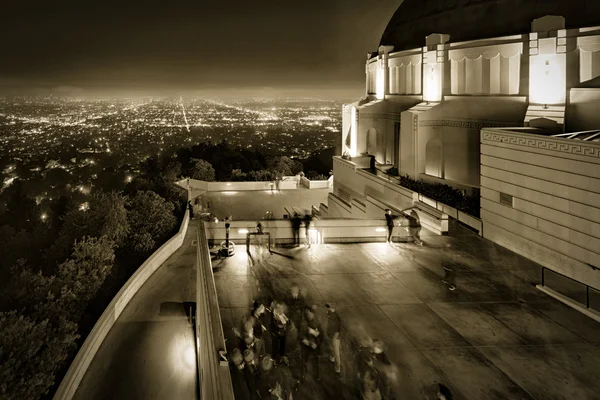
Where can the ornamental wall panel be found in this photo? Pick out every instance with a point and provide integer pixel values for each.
(589, 62)
(405, 74)
(372, 77)
(488, 70)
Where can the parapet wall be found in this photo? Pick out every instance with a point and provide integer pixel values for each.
(86, 353)
(323, 230)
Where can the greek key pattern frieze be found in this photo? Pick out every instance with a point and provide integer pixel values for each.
(544, 144)
(394, 117)
(465, 124)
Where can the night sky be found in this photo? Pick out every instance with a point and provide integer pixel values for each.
(189, 45)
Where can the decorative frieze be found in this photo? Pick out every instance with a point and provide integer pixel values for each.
(467, 124)
(388, 116)
(536, 141)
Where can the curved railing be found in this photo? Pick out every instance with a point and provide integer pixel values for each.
(213, 370)
(94, 340)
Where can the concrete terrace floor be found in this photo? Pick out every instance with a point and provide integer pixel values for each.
(494, 337)
(253, 204)
(150, 351)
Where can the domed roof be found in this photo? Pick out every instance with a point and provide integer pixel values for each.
(477, 19)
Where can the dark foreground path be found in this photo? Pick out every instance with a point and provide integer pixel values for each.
(150, 351)
(494, 337)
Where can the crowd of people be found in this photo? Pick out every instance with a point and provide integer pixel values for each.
(285, 341)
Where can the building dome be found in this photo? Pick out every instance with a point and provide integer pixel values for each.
(476, 19)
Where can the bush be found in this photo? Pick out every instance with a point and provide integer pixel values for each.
(444, 194)
(393, 171)
(315, 176)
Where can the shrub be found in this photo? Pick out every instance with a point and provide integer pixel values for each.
(315, 176)
(393, 171)
(444, 194)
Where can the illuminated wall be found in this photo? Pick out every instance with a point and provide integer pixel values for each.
(353, 131)
(547, 69)
(432, 77)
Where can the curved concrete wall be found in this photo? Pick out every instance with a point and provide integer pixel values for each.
(92, 343)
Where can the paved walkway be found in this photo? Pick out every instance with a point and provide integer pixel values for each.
(150, 351)
(494, 337)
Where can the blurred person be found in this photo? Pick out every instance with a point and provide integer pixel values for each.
(334, 327)
(191, 209)
(296, 223)
(414, 227)
(258, 327)
(370, 380)
(307, 221)
(443, 393)
(251, 374)
(384, 366)
(238, 377)
(280, 325)
(312, 337)
(274, 382)
(296, 303)
(245, 333)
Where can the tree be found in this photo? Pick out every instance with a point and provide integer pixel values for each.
(79, 279)
(285, 166)
(106, 216)
(201, 170)
(31, 353)
(151, 220)
(21, 210)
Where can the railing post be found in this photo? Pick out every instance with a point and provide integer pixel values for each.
(587, 296)
(543, 268)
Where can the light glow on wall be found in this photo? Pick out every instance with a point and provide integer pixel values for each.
(314, 236)
(547, 79)
(380, 229)
(243, 231)
(380, 83)
(353, 132)
(432, 82)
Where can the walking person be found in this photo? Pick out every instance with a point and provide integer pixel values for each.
(389, 218)
(334, 327)
(414, 227)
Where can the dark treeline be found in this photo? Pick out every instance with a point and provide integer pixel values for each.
(237, 164)
(58, 273)
(60, 269)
